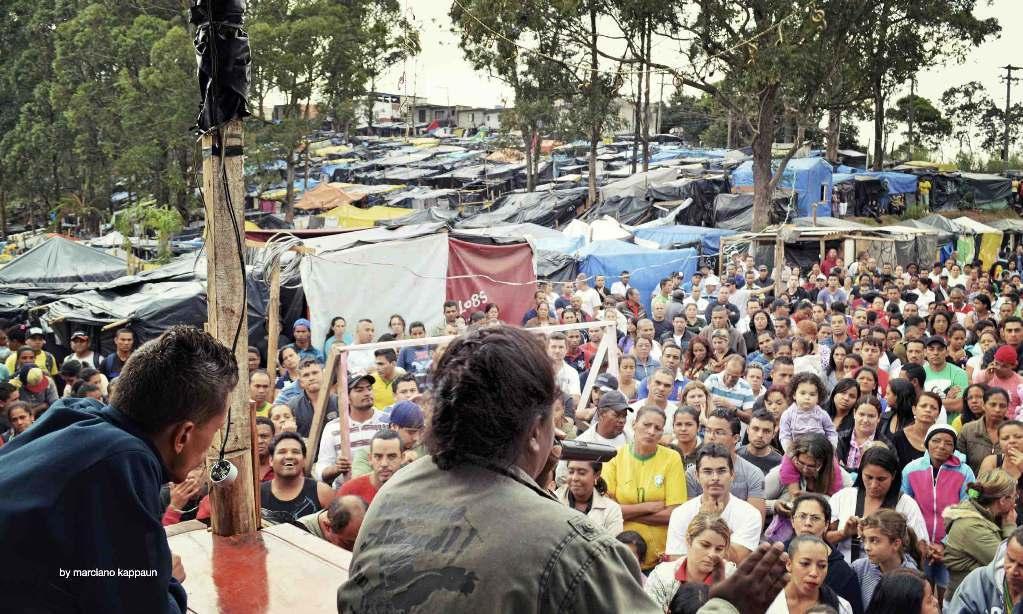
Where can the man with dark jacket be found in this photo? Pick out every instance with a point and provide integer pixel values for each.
(80, 512)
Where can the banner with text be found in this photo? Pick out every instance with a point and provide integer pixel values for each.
(500, 274)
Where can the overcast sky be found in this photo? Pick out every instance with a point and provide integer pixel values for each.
(441, 74)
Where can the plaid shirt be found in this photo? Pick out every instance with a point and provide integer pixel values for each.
(852, 460)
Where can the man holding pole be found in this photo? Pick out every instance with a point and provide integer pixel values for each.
(332, 465)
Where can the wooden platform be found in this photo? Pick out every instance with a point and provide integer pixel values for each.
(279, 570)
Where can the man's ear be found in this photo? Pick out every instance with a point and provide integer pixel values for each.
(180, 435)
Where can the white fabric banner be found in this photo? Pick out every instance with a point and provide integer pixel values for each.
(375, 281)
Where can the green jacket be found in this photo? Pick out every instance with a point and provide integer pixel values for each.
(972, 539)
(473, 539)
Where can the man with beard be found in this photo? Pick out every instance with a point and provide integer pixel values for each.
(363, 422)
(384, 459)
(761, 431)
(290, 493)
(405, 419)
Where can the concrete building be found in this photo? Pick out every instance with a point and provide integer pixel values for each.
(477, 117)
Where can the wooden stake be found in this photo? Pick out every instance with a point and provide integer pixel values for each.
(234, 507)
(329, 370)
(273, 320)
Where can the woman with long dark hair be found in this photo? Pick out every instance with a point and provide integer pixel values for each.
(812, 457)
(336, 333)
(979, 439)
(901, 398)
(759, 322)
(878, 485)
(696, 365)
(841, 403)
(836, 366)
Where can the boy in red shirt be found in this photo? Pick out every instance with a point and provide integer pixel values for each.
(384, 458)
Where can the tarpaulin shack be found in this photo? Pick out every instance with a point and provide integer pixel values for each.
(1012, 229)
(809, 177)
(984, 245)
(58, 266)
(991, 192)
(648, 266)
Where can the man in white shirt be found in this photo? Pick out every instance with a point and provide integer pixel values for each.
(590, 298)
(698, 300)
(363, 360)
(363, 422)
(715, 471)
(565, 376)
(620, 287)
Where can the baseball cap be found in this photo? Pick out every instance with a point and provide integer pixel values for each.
(936, 339)
(762, 267)
(1006, 354)
(606, 382)
(35, 331)
(302, 322)
(822, 277)
(357, 376)
(719, 332)
(407, 414)
(78, 334)
(614, 400)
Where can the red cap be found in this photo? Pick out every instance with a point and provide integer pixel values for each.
(1006, 355)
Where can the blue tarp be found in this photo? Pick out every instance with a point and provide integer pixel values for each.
(648, 266)
(898, 183)
(563, 245)
(666, 236)
(805, 176)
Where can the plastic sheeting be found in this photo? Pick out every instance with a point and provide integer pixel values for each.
(478, 274)
(411, 273)
(424, 216)
(708, 240)
(700, 211)
(554, 265)
(549, 209)
(986, 189)
(648, 266)
(60, 265)
(350, 216)
(805, 176)
(628, 210)
(989, 240)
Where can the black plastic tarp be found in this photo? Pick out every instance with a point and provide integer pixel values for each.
(735, 211)
(549, 209)
(629, 210)
(986, 188)
(555, 266)
(703, 192)
(946, 191)
(60, 265)
(423, 216)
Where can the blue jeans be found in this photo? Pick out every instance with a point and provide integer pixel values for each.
(937, 573)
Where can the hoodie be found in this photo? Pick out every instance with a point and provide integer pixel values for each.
(982, 591)
(936, 493)
(972, 539)
(82, 493)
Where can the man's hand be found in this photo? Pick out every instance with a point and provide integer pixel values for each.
(757, 581)
(937, 553)
(341, 466)
(708, 504)
(409, 456)
(182, 492)
(176, 568)
(953, 393)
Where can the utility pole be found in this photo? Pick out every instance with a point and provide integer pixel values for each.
(912, 96)
(729, 145)
(1008, 78)
(660, 104)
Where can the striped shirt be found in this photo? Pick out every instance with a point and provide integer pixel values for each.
(870, 574)
(359, 435)
(741, 394)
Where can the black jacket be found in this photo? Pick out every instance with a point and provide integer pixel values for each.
(81, 491)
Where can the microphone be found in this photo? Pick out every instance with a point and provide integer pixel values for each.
(586, 451)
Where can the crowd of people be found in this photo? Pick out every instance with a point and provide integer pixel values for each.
(865, 415)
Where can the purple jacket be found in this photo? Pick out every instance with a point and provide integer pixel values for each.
(933, 496)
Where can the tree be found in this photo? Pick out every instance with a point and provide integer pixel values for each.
(930, 126)
(907, 36)
(776, 60)
(972, 113)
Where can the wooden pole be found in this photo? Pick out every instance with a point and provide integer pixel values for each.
(779, 261)
(273, 320)
(329, 370)
(234, 507)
